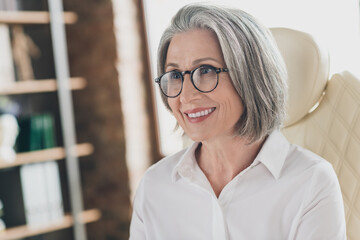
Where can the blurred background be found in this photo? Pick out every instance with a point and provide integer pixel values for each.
(80, 116)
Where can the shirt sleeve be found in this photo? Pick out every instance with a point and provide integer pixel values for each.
(137, 227)
(322, 214)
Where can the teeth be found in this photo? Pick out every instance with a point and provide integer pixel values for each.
(201, 113)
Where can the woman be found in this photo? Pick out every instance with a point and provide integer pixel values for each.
(222, 77)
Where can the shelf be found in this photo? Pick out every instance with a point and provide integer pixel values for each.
(50, 154)
(38, 86)
(33, 17)
(87, 216)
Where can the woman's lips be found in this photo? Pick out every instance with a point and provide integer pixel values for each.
(199, 114)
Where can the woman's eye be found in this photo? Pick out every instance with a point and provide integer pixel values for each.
(206, 70)
(175, 75)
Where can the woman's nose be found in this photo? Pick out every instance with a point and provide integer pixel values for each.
(189, 92)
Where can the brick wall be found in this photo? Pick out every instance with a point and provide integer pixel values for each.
(99, 120)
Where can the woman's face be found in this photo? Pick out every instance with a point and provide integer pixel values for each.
(220, 109)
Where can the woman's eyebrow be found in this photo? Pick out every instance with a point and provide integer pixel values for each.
(171, 65)
(197, 61)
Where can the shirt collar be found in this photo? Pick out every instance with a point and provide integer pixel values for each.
(272, 154)
(187, 163)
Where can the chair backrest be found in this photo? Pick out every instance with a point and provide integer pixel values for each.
(332, 129)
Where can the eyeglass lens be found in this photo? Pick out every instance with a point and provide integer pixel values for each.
(204, 79)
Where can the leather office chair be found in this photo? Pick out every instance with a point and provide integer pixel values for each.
(332, 130)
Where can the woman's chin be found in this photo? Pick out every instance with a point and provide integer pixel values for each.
(197, 137)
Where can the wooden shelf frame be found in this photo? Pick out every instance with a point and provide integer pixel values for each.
(33, 17)
(58, 153)
(39, 86)
(56, 17)
(67, 221)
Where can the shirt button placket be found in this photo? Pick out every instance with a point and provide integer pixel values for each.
(219, 225)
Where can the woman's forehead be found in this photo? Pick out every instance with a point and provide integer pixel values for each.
(192, 45)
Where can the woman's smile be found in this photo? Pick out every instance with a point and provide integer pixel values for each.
(199, 114)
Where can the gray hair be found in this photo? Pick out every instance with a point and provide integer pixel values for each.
(255, 65)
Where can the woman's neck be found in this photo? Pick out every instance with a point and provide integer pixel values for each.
(223, 159)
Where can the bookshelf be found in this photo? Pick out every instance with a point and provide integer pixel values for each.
(63, 84)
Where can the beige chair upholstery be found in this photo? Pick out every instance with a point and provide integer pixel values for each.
(332, 130)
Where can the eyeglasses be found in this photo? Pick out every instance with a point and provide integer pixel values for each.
(204, 78)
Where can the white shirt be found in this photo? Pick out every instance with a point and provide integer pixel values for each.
(286, 193)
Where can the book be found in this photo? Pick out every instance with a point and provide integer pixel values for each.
(8, 5)
(41, 185)
(33, 184)
(7, 72)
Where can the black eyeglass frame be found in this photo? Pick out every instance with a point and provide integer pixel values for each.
(217, 71)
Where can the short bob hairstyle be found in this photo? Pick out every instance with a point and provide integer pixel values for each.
(255, 65)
